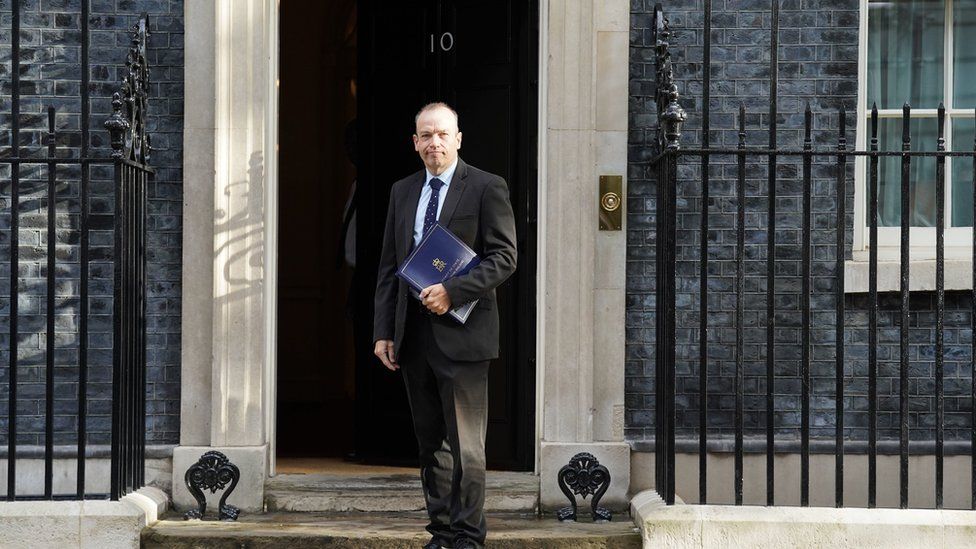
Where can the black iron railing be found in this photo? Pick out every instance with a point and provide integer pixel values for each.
(667, 160)
(132, 174)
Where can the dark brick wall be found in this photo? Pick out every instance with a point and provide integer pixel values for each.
(818, 64)
(50, 72)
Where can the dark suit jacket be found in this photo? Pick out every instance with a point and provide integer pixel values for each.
(478, 211)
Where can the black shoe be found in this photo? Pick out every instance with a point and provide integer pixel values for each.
(433, 544)
(464, 543)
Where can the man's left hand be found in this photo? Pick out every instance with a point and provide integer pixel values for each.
(435, 298)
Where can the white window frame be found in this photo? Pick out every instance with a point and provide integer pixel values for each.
(958, 240)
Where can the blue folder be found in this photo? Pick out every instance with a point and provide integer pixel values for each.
(439, 256)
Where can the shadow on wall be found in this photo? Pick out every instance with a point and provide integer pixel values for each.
(242, 243)
(238, 292)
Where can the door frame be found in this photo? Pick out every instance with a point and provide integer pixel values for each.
(540, 227)
(271, 244)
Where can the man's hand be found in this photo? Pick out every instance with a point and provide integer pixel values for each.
(436, 299)
(384, 350)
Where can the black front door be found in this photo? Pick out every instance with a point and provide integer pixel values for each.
(481, 58)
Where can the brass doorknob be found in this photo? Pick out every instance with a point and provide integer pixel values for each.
(610, 201)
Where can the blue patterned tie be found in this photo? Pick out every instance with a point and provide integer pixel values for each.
(431, 216)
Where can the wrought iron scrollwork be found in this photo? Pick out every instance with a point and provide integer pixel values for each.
(130, 105)
(670, 114)
(212, 472)
(584, 475)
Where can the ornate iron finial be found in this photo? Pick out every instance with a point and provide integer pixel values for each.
(670, 114)
(130, 105)
(212, 472)
(673, 117)
(116, 126)
(584, 475)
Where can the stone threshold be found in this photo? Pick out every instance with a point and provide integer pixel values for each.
(382, 531)
(687, 526)
(386, 492)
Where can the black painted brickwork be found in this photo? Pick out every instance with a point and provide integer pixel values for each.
(50, 75)
(818, 64)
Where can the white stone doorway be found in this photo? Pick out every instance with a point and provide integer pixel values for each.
(231, 220)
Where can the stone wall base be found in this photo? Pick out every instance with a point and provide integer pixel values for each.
(721, 467)
(30, 475)
(57, 524)
(249, 493)
(686, 526)
(614, 455)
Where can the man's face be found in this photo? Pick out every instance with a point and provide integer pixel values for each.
(437, 139)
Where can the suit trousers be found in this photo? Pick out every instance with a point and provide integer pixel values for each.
(449, 404)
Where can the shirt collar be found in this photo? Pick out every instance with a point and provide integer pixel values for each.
(446, 176)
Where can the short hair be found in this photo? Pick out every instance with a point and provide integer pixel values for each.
(436, 105)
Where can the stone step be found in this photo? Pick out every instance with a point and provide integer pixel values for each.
(332, 492)
(381, 531)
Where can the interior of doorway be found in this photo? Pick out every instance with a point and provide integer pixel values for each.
(353, 66)
(317, 111)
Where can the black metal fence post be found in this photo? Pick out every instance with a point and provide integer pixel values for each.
(664, 450)
(771, 253)
(14, 248)
(671, 117)
(873, 314)
(805, 313)
(140, 339)
(841, 243)
(669, 327)
(906, 163)
(939, 306)
(117, 308)
(131, 152)
(83, 259)
(665, 329)
(49, 354)
(703, 264)
(740, 245)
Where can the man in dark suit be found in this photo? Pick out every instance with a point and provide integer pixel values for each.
(445, 363)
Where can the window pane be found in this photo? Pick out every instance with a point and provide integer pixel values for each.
(921, 174)
(964, 55)
(905, 53)
(962, 173)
